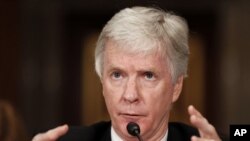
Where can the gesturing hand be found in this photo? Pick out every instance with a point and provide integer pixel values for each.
(52, 135)
(206, 130)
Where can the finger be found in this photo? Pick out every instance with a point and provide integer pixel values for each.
(206, 130)
(194, 138)
(202, 124)
(57, 132)
(198, 120)
(193, 111)
(51, 135)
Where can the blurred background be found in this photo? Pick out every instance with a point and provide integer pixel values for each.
(47, 66)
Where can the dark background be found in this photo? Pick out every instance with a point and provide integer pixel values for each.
(41, 55)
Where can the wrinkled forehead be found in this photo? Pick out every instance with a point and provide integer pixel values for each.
(118, 58)
(134, 47)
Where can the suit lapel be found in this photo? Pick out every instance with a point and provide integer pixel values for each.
(107, 135)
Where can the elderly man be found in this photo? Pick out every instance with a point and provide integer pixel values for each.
(141, 58)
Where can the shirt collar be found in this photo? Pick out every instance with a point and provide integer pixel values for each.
(115, 137)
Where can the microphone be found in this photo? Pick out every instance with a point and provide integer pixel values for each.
(134, 130)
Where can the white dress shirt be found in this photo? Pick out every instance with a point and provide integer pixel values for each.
(115, 137)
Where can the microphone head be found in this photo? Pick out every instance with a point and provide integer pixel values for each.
(133, 129)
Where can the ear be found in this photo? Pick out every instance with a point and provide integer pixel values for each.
(100, 77)
(101, 80)
(177, 88)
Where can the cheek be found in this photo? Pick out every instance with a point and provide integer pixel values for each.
(160, 103)
(159, 99)
(109, 101)
(108, 94)
(111, 96)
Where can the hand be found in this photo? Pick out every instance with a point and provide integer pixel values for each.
(206, 130)
(52, 135)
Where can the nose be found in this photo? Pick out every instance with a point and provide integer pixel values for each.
(131, 91)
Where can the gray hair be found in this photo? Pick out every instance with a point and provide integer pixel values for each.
(143, 29)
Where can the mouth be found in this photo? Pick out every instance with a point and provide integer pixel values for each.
(131, 117)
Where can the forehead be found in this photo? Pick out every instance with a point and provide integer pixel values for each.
(115, 55)
(134, 48)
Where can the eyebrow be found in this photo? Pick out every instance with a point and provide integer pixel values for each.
(112, 67)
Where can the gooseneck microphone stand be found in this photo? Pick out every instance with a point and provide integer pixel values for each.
(134, 130)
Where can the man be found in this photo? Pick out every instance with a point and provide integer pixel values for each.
(141, 58)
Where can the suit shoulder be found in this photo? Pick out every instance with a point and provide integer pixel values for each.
(97, 131)
(181, 132)
(185, 132)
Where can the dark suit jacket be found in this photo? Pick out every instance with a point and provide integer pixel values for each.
(102, 132)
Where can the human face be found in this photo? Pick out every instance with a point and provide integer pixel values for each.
(138, 88)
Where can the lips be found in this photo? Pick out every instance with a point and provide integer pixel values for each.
(131, 116)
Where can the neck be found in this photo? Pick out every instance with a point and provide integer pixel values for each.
(159, 133)
(116, 137)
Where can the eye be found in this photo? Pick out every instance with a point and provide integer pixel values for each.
(149, 75)
(116, 75)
